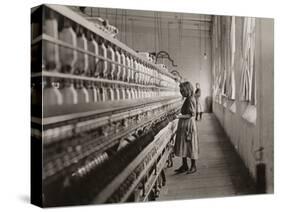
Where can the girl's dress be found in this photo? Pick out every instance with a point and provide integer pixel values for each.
(186, 144)
(198, 100)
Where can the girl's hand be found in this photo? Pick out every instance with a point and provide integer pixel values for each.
(178, 116)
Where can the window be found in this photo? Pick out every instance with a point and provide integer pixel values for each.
(231, 87)
(223, 63)
(224, 60)
(248, 78)
(248, 82)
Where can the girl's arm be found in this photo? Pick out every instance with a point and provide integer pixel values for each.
(184, 116)
(192, 110)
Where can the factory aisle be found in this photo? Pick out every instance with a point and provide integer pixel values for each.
(220, 172)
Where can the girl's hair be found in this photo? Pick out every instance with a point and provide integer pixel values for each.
(186, 89)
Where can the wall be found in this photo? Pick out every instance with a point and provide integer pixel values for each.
(191, 65)
(248, 137)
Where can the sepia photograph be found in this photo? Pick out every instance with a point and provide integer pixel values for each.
(131, 106)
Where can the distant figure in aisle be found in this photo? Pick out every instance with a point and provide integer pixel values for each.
(197, 95)
(186, 144)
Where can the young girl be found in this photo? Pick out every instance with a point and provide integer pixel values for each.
(197, 96)
(186, 144)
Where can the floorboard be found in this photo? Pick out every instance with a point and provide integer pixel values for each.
(220, 170)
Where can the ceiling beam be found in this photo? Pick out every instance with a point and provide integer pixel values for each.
(105, 12)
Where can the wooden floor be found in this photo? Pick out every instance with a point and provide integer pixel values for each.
(220, 172)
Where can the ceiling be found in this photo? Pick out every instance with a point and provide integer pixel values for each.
(151, 18)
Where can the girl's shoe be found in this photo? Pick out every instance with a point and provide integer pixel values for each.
(191, 170)
(182, 169)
